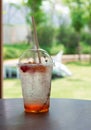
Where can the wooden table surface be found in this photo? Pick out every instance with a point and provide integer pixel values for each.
(64, 114)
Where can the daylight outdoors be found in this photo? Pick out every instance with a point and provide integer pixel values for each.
(63, 30)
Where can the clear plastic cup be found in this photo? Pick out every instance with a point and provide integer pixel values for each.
(36, 80)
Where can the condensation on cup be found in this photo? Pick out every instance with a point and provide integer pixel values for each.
(36, 80)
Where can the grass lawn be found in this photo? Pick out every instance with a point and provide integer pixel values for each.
(78, 86)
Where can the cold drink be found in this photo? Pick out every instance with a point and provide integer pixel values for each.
(36, 82)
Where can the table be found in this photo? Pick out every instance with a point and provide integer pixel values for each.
(64, 114)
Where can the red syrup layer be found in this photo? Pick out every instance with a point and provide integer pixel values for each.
(33, 67)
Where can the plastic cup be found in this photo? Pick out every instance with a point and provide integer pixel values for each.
(36, 80)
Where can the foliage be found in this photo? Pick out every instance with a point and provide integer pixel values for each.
(77, 15)
(68, 37)
(14, 51)
(34, 9)
(45, 36)
(85, 47)
(11, 51)
(80, 13)
(56, 48)
(78, 19)
(64, 38)
(86, 37)
(88, 12)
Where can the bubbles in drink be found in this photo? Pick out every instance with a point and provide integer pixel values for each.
(36, 81)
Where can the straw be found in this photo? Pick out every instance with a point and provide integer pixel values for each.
(36, 39)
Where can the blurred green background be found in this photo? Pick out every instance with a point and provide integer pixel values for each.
(61, 25)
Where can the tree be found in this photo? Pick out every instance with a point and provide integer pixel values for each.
(32, 8)
(78, 19)
(88, 14)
